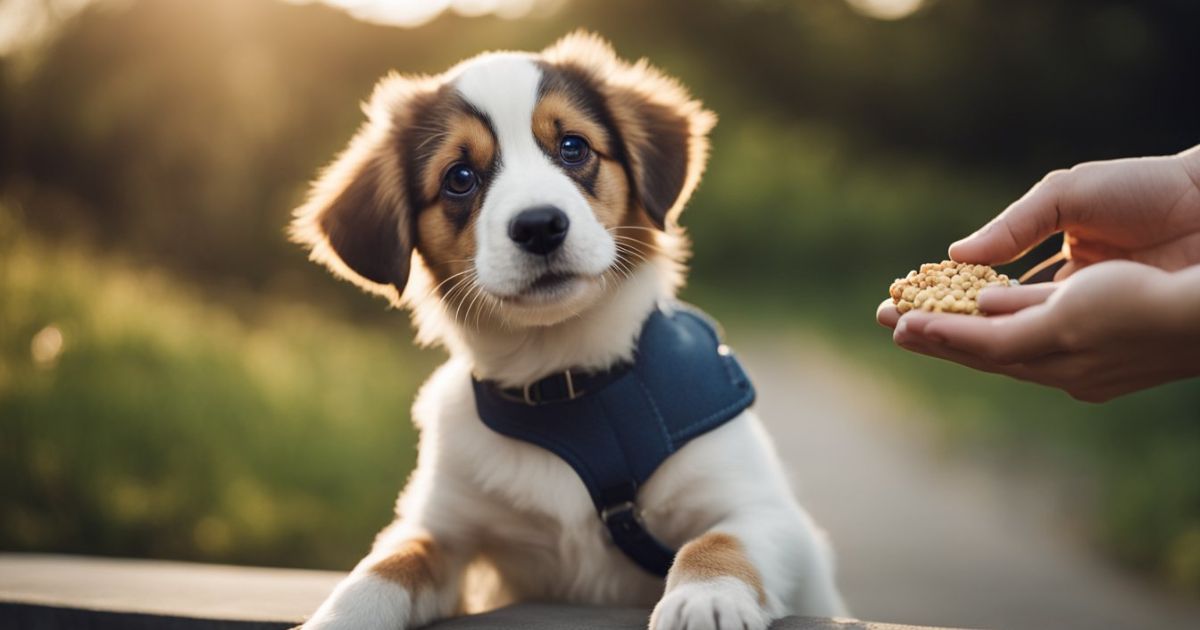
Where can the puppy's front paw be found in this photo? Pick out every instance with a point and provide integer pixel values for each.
(363, 602)
(720, 604)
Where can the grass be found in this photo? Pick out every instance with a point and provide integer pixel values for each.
(168, 427)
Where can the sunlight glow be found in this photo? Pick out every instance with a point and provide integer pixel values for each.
(23, 22)
(46, 346)
(886, 9)
(27, 22)
(410, 13)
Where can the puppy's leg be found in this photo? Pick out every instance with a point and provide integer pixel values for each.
(718, 581)
(713, 584)
(408, 580)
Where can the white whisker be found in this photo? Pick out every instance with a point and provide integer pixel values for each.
(629, 240)
(479, 293)
(463, 300)
(439, 285)
(463, 283)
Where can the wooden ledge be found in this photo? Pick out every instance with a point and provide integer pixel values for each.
(45, 592)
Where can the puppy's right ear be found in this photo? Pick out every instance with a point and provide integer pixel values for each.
(358, 220)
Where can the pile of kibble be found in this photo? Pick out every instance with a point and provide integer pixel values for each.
(947, 286)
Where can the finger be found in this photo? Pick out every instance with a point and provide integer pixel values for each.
(919, 345)
(1066, 270)
(1022, 225)
(1003, 339)
(886, 314)
(1000, 300)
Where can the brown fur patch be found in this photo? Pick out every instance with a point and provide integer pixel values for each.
(602, 177)
(715, 555)
(445, 235)
(664, 131)
(565, 109)
(557, 114)
(466, 139)
(446, 250)
(415, 565)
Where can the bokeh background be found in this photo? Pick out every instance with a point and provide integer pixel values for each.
(176, 381)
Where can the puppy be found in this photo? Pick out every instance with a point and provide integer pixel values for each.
(524, 207)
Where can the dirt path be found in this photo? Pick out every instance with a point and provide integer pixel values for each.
(927, 538)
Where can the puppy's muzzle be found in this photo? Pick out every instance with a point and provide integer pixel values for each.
(539, 230)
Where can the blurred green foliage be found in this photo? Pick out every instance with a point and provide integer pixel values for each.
(166, 427)
(220, 398)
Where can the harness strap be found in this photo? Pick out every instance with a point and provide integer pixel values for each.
(623, 518)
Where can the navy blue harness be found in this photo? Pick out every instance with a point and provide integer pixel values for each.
(616, 427)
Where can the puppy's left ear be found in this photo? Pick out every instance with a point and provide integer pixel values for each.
(357, 220)
(664, 131)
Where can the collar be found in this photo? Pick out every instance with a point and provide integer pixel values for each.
(560, 387)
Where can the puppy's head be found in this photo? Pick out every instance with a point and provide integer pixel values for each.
(527, 184)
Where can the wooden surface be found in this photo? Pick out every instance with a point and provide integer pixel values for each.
(163, 588)
(44, 592)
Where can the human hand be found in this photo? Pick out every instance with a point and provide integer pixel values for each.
(1141, 209)
(1110, 329)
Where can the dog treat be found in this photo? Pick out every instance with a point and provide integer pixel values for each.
(947, 286)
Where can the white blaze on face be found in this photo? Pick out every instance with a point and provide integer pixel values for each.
(504, 87)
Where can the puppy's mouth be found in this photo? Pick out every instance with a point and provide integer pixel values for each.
(549, 282)
(549, 287)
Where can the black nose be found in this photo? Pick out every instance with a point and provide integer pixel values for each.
(539, 230)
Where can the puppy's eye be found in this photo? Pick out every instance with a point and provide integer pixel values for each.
(573, 150)
(460, 180)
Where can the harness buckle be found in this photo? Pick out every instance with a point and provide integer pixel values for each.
(527, 390)
(625, 517)
(570, 385)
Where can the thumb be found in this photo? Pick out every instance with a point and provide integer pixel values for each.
(1022, 225)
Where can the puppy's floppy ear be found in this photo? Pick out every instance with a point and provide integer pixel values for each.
(357, 219)
(664, 131)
